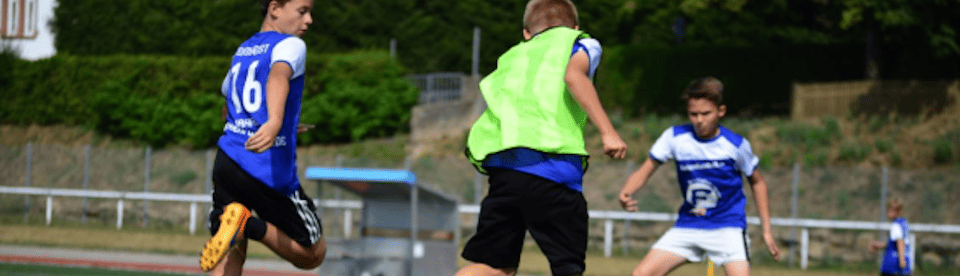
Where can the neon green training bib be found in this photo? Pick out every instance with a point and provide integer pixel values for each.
(528, 104)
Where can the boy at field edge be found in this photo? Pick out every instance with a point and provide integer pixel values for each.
(895, 259)
(530, 142)
(255, 166)
(710, 160)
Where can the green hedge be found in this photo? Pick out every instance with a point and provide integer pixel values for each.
(757, 80)
(176, 100)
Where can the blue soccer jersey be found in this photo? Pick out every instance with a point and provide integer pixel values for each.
(891, 260)
(246, 97)
(710, 173)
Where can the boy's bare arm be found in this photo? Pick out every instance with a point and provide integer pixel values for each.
(760, 197)
(901, 249)
(278, 87)
(636, 181)
(586, 94)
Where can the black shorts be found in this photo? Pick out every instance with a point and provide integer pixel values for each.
(295, 215)
(555, 215)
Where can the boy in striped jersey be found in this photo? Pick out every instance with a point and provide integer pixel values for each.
(255, 168)
(711, 160)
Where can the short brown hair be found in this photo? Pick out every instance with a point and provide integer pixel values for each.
(544, 14)
(895, 204)
(709, 88)
(265, 4)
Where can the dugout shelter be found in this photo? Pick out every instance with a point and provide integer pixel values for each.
(406, 229)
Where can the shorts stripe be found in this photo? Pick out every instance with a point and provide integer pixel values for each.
(746, 244)
(308, 216)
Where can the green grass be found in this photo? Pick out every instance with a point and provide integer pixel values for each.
(51, 270)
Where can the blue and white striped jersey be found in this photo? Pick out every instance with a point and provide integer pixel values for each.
(710, 172)
(899, 230)
(245, 90)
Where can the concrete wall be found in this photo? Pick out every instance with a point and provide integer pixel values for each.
(872, 97)
(446, 119)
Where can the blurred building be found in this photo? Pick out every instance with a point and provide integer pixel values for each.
(25, 27)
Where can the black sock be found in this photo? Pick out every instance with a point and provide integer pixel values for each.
(255, 229)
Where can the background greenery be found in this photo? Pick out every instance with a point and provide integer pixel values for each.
(758, 47)
(165, 100)
(168, 57)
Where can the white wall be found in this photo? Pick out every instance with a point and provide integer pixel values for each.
(41, 46)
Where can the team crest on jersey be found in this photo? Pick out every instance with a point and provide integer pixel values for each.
(702, 195)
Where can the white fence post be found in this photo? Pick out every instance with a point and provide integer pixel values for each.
(119, 213)
(26, 198)
(193, 217)
(347, 222)
(146, 186)
(804, 247)
(49, 209)
(913, 252)
(86, 182)
(607, 237)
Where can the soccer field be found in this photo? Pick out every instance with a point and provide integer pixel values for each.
(534, 263)
(48, 270)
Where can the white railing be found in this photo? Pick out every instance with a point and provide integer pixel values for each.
(608, 216)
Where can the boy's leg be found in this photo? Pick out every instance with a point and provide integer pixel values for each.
(737, 268)
(557, 219)
(495, 248)
(232, 263)
(477, 269)
(729, 247)
(658, 263)
(677, 246)
(288, 224)
(301, 256)
(293, 228)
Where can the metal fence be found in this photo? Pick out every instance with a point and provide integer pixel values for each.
(806, 201)
(438, 87)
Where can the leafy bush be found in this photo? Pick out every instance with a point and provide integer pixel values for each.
(176, 100)
(758, 79)
(817, 158)
(884, 144)
(853, 151)
(943, 150)
(806, 135)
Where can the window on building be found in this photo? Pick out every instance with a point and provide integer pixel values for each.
(30, 22)
(13, 17)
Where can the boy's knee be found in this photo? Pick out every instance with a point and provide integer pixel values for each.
(314, 260)
(310, 263)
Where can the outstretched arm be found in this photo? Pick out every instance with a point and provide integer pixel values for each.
(586, 94)
(278, 87)
(901, 253)
(759, 187)
(636, 181)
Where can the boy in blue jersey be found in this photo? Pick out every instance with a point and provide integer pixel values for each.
(530, 142)
(711, 161)
(895, 259)
(255, 166)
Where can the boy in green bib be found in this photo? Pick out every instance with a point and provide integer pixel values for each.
(530, 142)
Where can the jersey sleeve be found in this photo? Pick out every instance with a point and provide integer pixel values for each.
(594, 51)
(293, 51)
(896, 233)
(225, 86)
(746, 161)
(662, 150)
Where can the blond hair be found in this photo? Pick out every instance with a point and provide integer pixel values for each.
(544, 14)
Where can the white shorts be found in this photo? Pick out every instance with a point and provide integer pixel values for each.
(721, 245)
